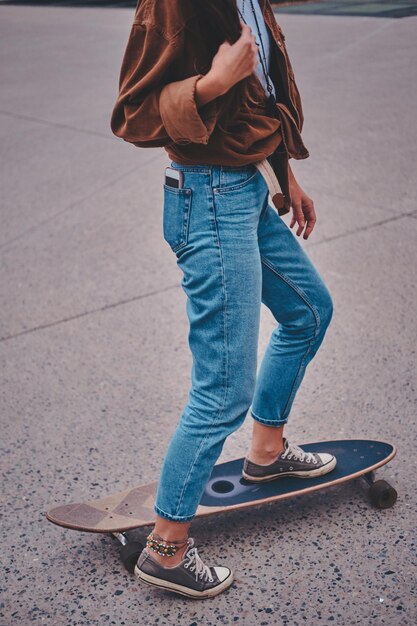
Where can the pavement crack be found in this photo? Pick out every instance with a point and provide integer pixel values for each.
(355, 231)
(35, 227)
(70, 318)
(29, 118)
(359, 40)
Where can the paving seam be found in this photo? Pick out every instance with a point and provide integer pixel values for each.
(75, 203)
(176, 286)
(364, 228)
(112, 305)
(56, 124)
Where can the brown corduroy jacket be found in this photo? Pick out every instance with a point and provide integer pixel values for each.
(156, 106)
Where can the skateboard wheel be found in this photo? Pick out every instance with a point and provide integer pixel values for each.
(129, 555)
(382, 495)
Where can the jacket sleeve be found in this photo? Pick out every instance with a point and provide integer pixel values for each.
(152, 109)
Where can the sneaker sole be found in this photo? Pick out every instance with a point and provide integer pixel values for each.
(185, 591)
(301, 474)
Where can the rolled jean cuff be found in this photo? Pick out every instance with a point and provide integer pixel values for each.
(276, 423)
(173, 518)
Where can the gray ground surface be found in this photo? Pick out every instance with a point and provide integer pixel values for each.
(95, 361)
(376, 8)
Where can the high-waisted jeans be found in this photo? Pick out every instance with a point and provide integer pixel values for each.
(235, 252)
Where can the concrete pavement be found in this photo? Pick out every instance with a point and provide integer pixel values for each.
(374, 8)
(94, 354)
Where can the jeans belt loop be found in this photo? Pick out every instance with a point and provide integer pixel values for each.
(271, 180)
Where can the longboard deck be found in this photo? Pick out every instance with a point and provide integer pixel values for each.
(225, 490)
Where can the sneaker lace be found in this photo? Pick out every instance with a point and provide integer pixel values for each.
(195, 563)
(295, 452)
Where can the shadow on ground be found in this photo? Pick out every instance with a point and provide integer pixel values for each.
(370, 8)
(74, 3)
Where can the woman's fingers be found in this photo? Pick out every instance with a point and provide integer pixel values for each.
(298, 216)
(311, 222)
(302, 207)
(310, 216)
(248, 36)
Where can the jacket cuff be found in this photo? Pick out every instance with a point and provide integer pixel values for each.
(183, 122)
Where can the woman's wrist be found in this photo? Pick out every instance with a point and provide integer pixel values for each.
(209, 87)
(291, 176)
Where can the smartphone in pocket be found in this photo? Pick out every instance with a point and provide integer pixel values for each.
(174, 178)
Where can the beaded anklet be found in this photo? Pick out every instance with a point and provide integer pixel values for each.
(162, 547)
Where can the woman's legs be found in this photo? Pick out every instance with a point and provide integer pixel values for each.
(213, 231)
(171, 531)
(301, 304)
(267, 442)
(234, 251)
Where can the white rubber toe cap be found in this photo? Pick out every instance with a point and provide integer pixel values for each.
(222, 572)
(327, 459)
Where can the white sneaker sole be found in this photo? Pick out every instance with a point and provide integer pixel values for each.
(301, 474)
(185, 591)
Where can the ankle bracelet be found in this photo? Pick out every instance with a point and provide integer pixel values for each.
(163, 547)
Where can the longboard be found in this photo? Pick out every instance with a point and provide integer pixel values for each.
(227, 490)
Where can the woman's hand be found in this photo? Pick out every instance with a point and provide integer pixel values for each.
(233, 62)
(302, 206)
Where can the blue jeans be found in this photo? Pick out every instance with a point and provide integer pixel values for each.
(235, 252)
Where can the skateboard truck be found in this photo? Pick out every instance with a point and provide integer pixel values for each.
(130, 551)
(381, 494)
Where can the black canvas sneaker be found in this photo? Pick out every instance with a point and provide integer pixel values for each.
(293, 461)
(191, 577)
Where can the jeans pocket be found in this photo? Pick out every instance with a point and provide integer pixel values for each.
(176, 216)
